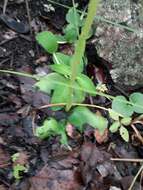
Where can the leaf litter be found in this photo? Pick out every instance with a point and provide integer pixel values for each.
(50, 166)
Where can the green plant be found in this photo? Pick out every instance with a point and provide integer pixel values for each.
(17, 168)
(68, 85)
(69, 69)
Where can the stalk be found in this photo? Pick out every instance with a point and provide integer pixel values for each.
(80, 46)
(19, 74)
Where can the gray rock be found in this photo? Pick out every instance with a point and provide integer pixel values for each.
(122, 48)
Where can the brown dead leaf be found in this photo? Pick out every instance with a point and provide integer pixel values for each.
(4, 158)
(60, 175)
(101, 138)
(2, 187)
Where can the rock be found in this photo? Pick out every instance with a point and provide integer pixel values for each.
(122, 48)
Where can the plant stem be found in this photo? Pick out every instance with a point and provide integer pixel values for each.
(74, 104)
(19, 73)
(80, 47)
(127, 160)
(99, 18)
(135, 178)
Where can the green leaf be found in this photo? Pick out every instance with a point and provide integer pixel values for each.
(17, 169)
(114, 115)
(124, 133)
(137, 98)
(47, 83)
(48, 41)
(15, 156)
(61, 69)
(61, 93)
(126, 121)
(51, 128)
(60, 58)
(70, 33)
(120, 105)
(60, 39)
(114, 127)
(82, 115)
(73, 17)
(47, 129)
(86, 83)
(62, 132)
(78, 95)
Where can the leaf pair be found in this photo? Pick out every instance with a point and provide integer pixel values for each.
(119, 124)
(74, 23)
(126, 108)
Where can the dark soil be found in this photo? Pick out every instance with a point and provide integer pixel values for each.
(50, 166)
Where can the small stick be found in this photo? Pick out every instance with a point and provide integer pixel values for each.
(4, 6)
(28, 14)
(126, 160)
(135, 178)
(137, 133)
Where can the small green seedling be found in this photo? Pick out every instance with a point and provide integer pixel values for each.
(122, 112)
(18, 169)
(50, 128)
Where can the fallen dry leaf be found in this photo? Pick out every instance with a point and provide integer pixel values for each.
(56, 177)
(101, 138)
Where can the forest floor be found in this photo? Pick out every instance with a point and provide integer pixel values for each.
(89, 164)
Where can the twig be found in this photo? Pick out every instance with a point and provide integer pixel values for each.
(33, 123)
(28, 14)
(73, 104)
(137, 133)
(4, 6)
(126, 160)
(135, 178)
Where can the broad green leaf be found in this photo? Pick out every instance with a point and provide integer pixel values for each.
(124, 133)
(60, 58)
(120, 106)
(51, 128)
(114, 127)
(48, 41)
(70, 33)
(137, 98)
(126, 121)
(78, 95)
(82, 115)
(47, 83)
(47, 129)
(85, 83)
(61, 93)
(61, 69)
(73, 17)
(114, 115)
